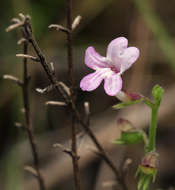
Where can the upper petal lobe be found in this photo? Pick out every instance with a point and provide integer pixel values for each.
(94, 60)
(129, 56)
(115, 48)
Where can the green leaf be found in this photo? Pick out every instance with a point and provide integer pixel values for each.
(126, 104)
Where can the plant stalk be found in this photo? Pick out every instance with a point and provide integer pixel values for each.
(28, 125)
(76, 170)
(152, 129)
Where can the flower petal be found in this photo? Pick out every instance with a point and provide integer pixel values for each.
(129, 56)
(92, 81)
(94, 60)
(113, 84)
(115, 48)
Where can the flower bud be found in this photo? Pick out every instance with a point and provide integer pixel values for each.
(125, 125)
(129, 134)
(149, 163)
(126, 96)
(157, 93)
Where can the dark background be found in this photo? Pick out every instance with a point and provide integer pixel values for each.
(148, 25)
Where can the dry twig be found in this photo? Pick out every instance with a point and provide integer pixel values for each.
(25, 87)
(68, 99)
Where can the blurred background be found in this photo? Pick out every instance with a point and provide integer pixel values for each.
(148, 25)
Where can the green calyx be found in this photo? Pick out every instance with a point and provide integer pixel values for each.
(126, 138)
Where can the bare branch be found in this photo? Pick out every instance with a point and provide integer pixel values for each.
(67, 93)
(22, 40)
(25, 88)
(76, 22)
(28, 57)
(52, 67)
(65, 87)
(59, 28)
(19, 125)
(14, 79)
(15, 20)
(58, 145)
(23, 110)
(14, 26)
(109, 184)
(52, 87)
(87, 108)
(31, 170)
(87, 112)
(56, 103)
(66, 150)
(63, 148)
(22, 16)
(126, 165)
(45, 90)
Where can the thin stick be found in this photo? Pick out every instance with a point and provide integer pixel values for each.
(76, 170)
(28, 120)
(75, 157)
(53, 81)
(69, 43)
(102, 151)
(45, 65)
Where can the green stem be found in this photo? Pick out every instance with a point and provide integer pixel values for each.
(152, 129)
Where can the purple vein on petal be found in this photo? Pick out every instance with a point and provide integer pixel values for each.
(113, 84)
(92, 81)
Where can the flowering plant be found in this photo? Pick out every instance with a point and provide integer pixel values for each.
(118, 59)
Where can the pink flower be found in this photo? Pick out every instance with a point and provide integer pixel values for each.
(119, 58)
